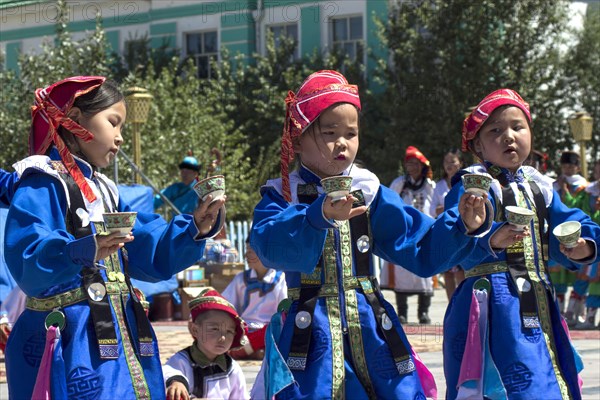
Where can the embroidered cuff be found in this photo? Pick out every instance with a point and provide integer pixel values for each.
(179, 378)
(83, 251)
(315, 216)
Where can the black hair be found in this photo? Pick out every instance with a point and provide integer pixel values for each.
(569, 157)
(99, 99)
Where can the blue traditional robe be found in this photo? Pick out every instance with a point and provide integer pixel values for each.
(181, 195)
(348, 355)
(520, 362)
(7, 182)
(46, 260)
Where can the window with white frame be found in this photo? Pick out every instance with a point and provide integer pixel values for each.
(346, 34)
(203, 48)
(280, 31)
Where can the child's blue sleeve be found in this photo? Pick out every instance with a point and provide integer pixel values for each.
(590, 231)
(37, 249)
(7, 183)
(417, 242)
(483, 250)
(289, 237)
(161, 248)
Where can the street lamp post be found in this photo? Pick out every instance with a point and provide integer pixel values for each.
(138, 104)
(581, 128)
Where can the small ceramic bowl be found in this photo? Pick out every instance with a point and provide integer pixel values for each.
(568, 233)
(121, 222)
(337, 187)
(213, 185)
(477, 184)
(518, 217)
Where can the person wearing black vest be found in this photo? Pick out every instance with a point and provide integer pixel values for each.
(84, 332)
(504, 336)
(336, 336)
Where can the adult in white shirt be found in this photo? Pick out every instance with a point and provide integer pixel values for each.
(416, 189)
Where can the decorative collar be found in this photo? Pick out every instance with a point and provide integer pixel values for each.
(86, 169)
(362, 179)
(308, 176)
(411, 184)
(503, 175)
(200, 359)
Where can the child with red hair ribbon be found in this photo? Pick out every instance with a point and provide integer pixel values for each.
(99, 342)
(336, 336)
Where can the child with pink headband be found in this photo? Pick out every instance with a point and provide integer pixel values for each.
(336, 336)
(504, 336)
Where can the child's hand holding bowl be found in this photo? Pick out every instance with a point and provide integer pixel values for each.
(206, 214)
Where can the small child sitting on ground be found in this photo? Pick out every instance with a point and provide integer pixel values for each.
(204, 369)
(255, 293)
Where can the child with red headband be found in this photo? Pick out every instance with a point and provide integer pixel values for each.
(504, 336)
(336, 336)
(204, 370)
(99, 342)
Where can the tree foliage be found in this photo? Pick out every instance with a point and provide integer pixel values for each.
(582, 66)
(447, 55)
(444, 56)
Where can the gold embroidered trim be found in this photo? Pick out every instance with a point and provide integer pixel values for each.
(487, 268)
(138, 380)
(352, 315)
(541, 298)
(71, 297)
(338, 371)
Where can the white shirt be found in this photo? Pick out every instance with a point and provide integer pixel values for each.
(439, 193)
(228, 385)
(261, 306)
(420, 198)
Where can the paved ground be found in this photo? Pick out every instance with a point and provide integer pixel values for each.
(427, 341)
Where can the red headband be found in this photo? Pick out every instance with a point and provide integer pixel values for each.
(413, 152)
(50, 111)
(210, 299)
(485, 108)
(319, 91)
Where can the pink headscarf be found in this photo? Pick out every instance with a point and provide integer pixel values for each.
(319, 91)
(485, 108)
(49, 111)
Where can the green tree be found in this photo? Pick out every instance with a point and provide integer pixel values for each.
(447, 55)
(54, 62)
(254, 96)
(582, 67)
